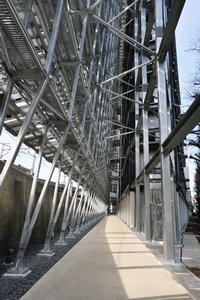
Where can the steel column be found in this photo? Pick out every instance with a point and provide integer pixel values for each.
(147, 224)
(137, 145)
(168, 230)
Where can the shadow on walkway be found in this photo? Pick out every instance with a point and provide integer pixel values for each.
(110, 262)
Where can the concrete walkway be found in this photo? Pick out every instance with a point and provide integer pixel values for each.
(109, 263)
(191, 251)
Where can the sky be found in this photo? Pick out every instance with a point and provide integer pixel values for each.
(187, 28)
(186, 31)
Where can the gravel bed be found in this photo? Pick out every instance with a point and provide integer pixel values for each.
(15, 288)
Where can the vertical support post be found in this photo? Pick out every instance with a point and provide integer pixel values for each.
(178, 211)
(128, 211)
(137, 145)
(147, 226)
(147, 221)
(125, 204)
(168, 224)
(138, 212)
(174, 210)
(168, 228)
(5, 102)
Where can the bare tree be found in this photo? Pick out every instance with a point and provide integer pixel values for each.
(194, 137)
(197, 188)
(194, 79)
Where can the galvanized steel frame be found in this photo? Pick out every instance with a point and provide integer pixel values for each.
(61, 63)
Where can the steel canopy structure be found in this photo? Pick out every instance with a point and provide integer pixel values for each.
(81, 82)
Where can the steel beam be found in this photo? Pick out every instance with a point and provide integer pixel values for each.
(126, 72)
(123, 11)
(115, 30)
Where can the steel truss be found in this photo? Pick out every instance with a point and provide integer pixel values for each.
(79, 83)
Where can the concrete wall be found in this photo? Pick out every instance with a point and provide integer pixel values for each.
(183, 212)
(124, 210)
(13, 205)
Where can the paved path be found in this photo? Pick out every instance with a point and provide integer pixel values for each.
(191, 251)
(109, 263)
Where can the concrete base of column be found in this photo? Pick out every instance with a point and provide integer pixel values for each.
(77, 231)
(70, 235)
(82, 227)
(46, 253)
(61, 243)
(10, 264)
(17, 273)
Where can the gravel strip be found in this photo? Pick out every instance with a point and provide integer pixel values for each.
(15, 288)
